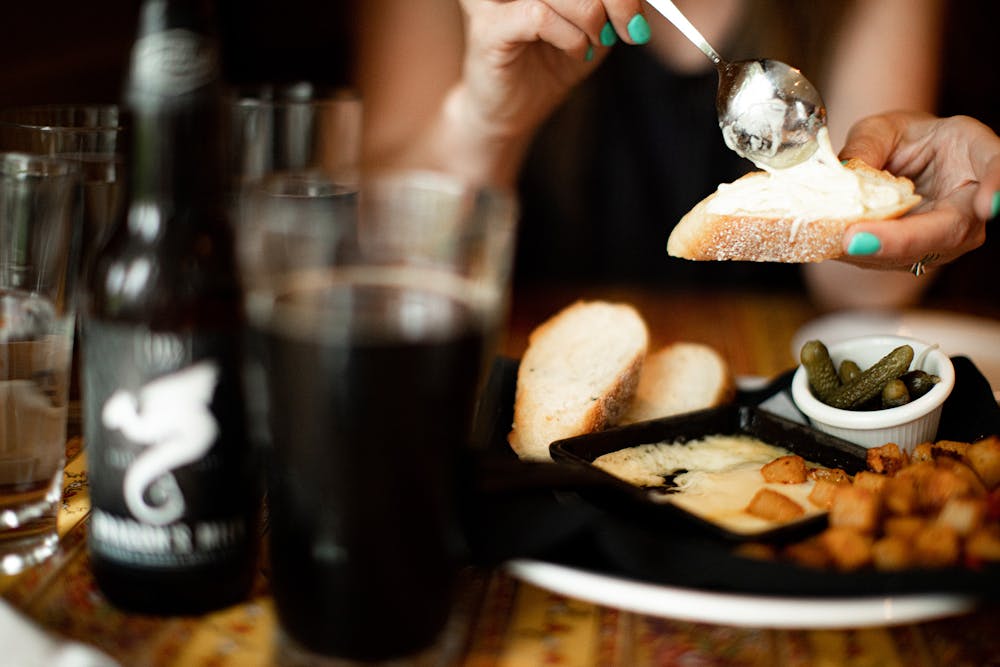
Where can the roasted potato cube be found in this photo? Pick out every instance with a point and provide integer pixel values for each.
(773, 506)
(835, 475)
(848, 549)
(856, 508)
(922, 453)
(899, 495)
(984, 544)
(935, 489)
(984, 457)
(949, 449)
(785, 470)
(822, 493)
(874, 482)
(963, 515)
(976, 487)
(904, 527)
(808, 553)
(887, 459)
(916, 469)
(892, 553)
(936, 545)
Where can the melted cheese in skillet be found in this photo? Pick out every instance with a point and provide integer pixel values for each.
(723, 474)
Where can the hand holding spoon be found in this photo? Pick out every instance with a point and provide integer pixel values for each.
(768, 111)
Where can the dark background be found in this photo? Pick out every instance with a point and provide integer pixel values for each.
(75, 51)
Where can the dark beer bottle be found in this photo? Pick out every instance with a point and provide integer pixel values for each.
(174, 487)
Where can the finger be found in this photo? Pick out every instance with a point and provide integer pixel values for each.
(588, 16)
(876, 139)
(526, 21)
(628, 20)
(872, 140)
(943, 232)
(986, 166)
(988, 196)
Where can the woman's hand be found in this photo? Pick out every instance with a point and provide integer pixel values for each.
(954, 163)
(523, 57)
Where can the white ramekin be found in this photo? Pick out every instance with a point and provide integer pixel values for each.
(907, 425)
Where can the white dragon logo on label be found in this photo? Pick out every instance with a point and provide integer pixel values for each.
(172, 420)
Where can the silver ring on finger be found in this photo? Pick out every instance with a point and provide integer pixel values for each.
(920, 267)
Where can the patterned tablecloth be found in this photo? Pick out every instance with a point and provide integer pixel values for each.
(498, 620)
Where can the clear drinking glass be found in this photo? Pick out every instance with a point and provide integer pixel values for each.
(295, 129)
(370, 323)
(90, 135)
(39, 252)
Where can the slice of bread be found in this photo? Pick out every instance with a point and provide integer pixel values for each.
(578, 375)
(781, 235)
(681, 377)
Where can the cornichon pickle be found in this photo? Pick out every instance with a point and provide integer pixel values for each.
(918, 382)
(849, 371)
(819, 369)
(895, 393)
(869, 384)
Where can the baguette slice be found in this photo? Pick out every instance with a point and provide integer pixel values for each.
(681, 377)
(578, 375)
(784, 236)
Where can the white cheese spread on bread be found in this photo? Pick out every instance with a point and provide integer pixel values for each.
(818, 188)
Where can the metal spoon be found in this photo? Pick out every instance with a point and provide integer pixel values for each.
(768, 111)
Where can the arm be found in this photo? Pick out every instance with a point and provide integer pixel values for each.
(466, 93)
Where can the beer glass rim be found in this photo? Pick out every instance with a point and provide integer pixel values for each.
(436, 180)
(261, 97)
(16, 163)
(63, 118)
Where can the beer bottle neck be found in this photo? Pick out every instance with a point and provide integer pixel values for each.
(174, 96)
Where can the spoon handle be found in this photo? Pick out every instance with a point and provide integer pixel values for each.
(674, 15)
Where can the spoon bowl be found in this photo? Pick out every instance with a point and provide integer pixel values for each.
(769, 112)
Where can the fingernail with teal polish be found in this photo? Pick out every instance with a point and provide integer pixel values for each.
(863, 243)
(608, 36)
(995, 209)
(638, 29)
(590, 54)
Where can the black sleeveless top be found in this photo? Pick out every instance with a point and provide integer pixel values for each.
(613, 170)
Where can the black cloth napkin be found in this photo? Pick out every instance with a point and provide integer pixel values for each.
(568, 515)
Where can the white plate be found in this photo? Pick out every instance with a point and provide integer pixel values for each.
(744, 610)
(975, 337)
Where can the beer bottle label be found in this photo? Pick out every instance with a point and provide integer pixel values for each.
(171, 481)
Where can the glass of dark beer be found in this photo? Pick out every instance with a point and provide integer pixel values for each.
(371, 320)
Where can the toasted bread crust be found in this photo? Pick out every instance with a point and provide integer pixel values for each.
(680, 377)
(574, 379)
(701, 235)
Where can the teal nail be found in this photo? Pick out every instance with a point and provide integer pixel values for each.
(638, 29)
(590, 53)
(995, 209)
(608, 36)
(864, 243)
(844, 162)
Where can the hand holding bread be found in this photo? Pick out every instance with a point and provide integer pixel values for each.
(945, 173)
(792, 226)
